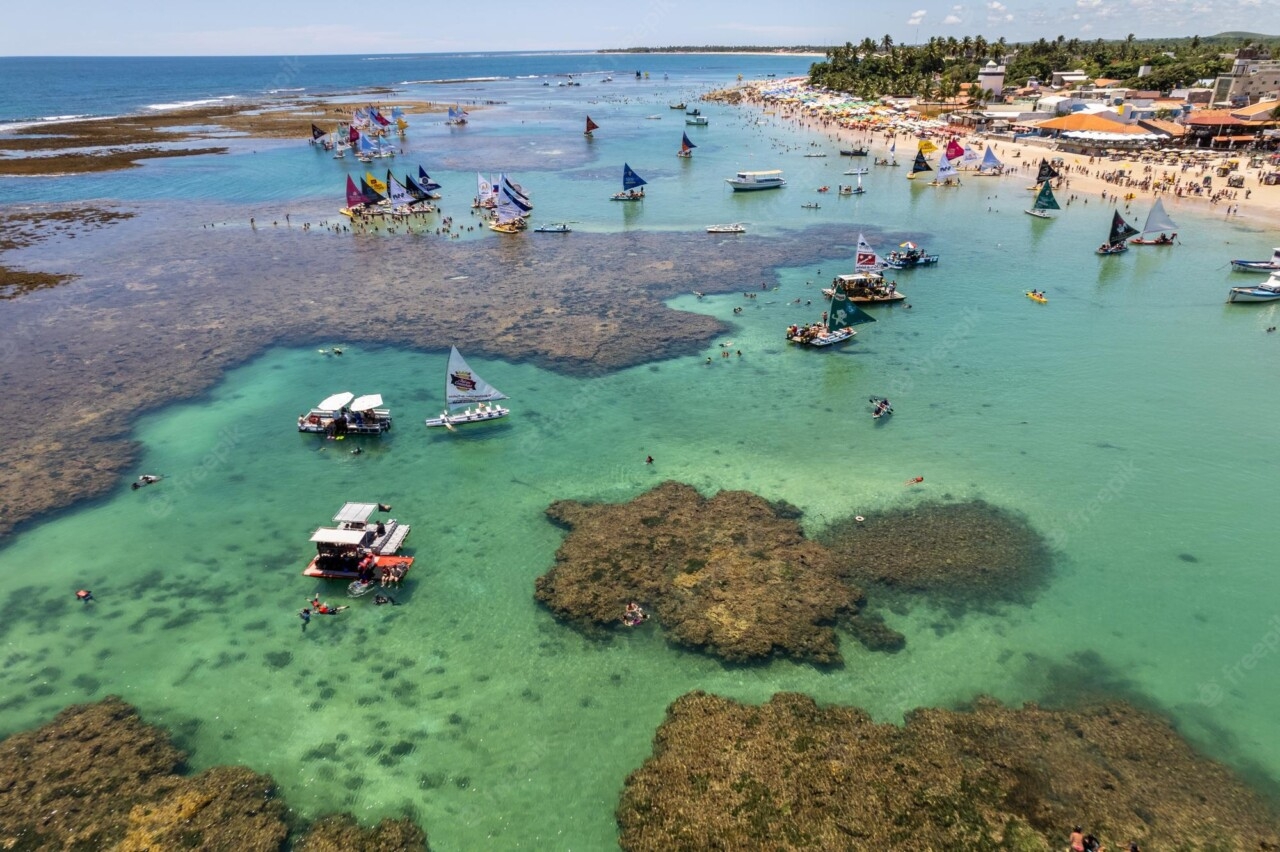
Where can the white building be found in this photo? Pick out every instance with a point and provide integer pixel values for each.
(992, 77)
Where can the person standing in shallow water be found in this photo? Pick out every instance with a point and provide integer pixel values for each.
(305, 615)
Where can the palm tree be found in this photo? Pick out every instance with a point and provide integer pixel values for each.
(966, 46)
(867, 47)
(887, 43)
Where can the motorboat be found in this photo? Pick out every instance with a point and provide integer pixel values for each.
(553, 228)
(853, 152)
(857, 171)
(810, 205)
(357, 541)
(1271, 265)
(734, 228)
(752, 181)
(1268, 292)
(697, 120)
(343, 414)
(865, 288)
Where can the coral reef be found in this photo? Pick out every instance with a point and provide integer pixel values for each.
(146, 321)
(732, 575)
(972, 551)
(98, 777)
(340, 833)
(791, 775)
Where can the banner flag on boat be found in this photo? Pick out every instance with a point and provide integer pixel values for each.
(463, 387)
(866, 259)
(926, 147)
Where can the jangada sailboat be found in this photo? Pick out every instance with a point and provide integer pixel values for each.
(686, 147)
(920, 165)
(591, 126)
(1120, 231)
(463, 386)
(1158, 222)
(947, 174)
(1044, 203)
(1046, 172)
(632, 185)
(836, 326)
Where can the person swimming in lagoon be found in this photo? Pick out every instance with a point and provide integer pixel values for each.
(145, 480)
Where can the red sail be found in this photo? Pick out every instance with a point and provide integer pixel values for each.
(591, 125)
(354, 198)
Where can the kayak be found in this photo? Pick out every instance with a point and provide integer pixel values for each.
(1041, 299)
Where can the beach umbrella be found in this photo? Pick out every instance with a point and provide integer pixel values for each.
(910, 246)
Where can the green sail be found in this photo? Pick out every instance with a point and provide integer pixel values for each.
(845, 313)
(1045, 200)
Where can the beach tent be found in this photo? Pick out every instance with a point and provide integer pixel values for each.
(1084, 122)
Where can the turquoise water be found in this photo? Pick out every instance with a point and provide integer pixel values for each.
(1124, 418)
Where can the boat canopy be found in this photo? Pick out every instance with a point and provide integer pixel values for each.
(351, 538)
(355, 513)
(757, 175)
(335, 402)
(366, 402)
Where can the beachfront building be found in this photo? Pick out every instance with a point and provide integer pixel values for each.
(1223, 128)
(1067, 79)
(991, 76)
(1252, 77)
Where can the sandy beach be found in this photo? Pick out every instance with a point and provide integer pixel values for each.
(1083, 178)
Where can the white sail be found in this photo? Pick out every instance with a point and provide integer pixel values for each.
(507, 209)
(866, 259)
(945, 169)
(1158, 221)
(484, 189)
(970, 160)
(397, 192)
(463, 387)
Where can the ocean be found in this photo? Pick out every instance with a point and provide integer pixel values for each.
(1124, 418)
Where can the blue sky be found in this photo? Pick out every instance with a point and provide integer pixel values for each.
(292, 27)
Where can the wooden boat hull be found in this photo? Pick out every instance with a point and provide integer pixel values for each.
(1140, 242)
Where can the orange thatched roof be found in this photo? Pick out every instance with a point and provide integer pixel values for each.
(1087, 121)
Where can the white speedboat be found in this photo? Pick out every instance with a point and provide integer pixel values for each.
(857, 171)
(1258, 265)
(553, 228)
(751, 181)
(734, 228)
(347, 414)
(1268, 292)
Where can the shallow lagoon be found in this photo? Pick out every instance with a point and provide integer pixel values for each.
(1122, 418)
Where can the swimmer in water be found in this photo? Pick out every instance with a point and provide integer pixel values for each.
(914, 481)
(84, 595)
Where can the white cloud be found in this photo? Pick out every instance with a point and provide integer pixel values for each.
(952, 20)
(996, 6)
(1088, 4)
(916, 17)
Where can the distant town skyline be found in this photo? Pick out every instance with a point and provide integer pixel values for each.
(295, 27)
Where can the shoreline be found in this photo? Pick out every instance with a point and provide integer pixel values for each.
(1253, 203)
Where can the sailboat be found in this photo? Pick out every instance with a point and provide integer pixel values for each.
(920, 165)
(457, 117)
(837, 325)
(1120, 231)
(484, 193)
(591, 125)
(1158, 222)
(631, 185)
(378, 185)
(463, 386)
(853, 190)
(892, 159)
(947, 174)
(510, 212)
(686, 147)
(1046, 172)
(991, 165)
(1044, 203)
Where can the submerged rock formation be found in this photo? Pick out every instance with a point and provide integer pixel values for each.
(732, 575)
(791, 775)
(98, 777)
(972, 551)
